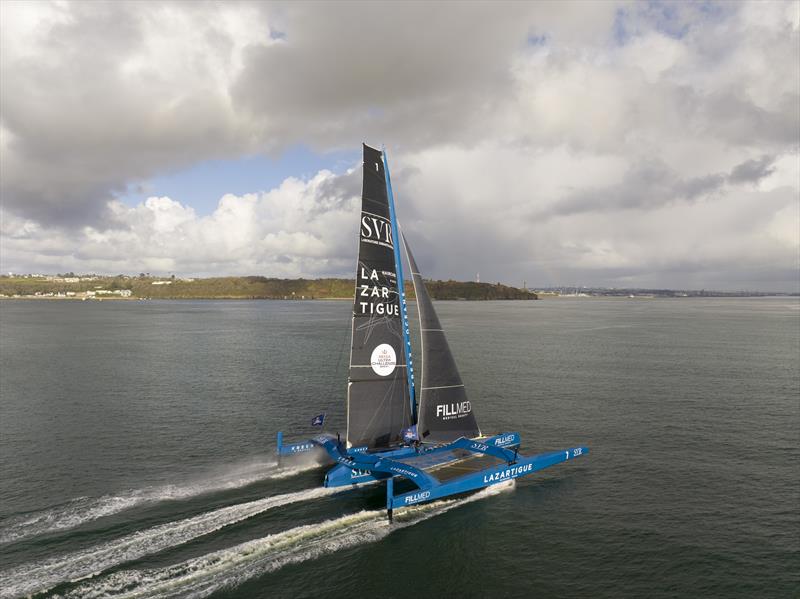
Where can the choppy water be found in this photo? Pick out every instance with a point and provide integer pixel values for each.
(136, 457)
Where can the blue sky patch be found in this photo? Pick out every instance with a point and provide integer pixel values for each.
(203, 184)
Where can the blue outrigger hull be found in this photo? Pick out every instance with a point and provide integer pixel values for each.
(481, 479)
(357, 466)
(293, 448)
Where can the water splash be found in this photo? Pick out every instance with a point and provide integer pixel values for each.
(83, 510)
(37, 577)
(202, 576)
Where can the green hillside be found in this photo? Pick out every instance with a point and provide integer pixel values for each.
(239, 288)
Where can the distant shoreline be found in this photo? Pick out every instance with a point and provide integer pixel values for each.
(143, 286)
(349, 299)
(95, 287)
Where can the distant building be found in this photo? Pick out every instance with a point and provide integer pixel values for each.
(119, 292)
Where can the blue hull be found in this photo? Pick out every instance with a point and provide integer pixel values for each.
(418, 465)
(342, 475)
(361, 467)
(484, 478)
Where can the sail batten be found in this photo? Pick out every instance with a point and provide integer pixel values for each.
(378, 406)
(444, 412)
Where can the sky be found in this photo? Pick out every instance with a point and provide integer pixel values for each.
(615, 144)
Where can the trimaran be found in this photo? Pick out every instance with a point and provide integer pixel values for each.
(399, 429)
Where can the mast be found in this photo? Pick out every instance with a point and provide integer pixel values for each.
(398, 262)
(378, 406)
(444, 413)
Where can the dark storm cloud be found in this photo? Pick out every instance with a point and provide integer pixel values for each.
(752, 171)
(336, 192)
(382, 70)
(735, 117)
(82, 125)
(651, 184)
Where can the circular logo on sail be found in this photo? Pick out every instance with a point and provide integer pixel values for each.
(383, 360)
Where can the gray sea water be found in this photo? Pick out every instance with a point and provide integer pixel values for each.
(136, 444)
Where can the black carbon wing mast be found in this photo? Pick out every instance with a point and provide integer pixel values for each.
(444, 412)
(378, 405)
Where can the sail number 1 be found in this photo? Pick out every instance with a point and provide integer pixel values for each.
(575, 453)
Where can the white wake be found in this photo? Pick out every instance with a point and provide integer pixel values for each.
(82, 510)
(202, 576)
(33, 578)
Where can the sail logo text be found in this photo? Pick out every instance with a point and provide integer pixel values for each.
(379, 299)
(507, 473)
(403, 472)
(415, 497)
(383, 360)
(367, 291)
(300, 447)
(379, 230)
(504, 440)
(380, 309)
(448, 411)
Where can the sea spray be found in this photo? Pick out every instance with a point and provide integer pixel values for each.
(82, 510)
(37, 577)
(204, 575)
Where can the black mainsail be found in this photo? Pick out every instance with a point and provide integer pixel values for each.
(378, 406)
(444, 412)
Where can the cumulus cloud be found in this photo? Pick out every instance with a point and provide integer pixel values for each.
(300, 228)
(582, 142)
